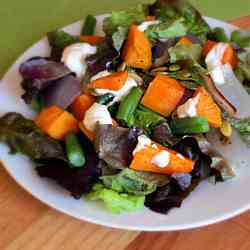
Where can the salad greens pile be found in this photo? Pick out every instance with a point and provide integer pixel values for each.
(125, 118)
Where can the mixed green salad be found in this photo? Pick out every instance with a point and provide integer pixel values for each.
(125, 118)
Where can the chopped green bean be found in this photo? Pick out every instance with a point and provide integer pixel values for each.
(129, 104)
(105, 99)
(74, 151)
(193, 125)
(89, 25)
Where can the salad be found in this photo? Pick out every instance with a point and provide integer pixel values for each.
(129, 118)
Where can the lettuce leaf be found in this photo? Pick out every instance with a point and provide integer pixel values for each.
(167, 29)
(104, 58)
(118, 24)
(241, 39)
(114, 201)
(175, 9)
(242, 126)
(76, 180)
(23, 136)
(134, 182)
(124, 19)
(181, 52)
(115, 145)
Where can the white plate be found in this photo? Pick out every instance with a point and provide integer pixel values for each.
(206, 205)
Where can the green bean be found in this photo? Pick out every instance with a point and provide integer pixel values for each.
(129, 104)
(105, 99)
(74, 150)
(194, 125)
(89, 25)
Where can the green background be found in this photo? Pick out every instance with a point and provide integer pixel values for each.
(23, 22)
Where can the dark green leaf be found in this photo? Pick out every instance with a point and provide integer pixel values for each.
(218, 34)
(23, 136)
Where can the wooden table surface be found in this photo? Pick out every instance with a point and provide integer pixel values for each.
(27, 224)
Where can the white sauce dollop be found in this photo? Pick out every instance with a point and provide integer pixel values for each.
(143, 142)
(217, 74)
(188, 109)
(180, 156)
(215, 55)
(96, 113)
(100, 75)
(119, 94)
(143, 26)
(161, 159)
(74, 57)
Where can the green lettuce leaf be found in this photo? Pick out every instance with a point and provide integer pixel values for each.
(118, 24)
(167, 29)
(119, 37)
(173, 10)
(242, 40)
(22, 135)
(242, 126)
(124, 19)
(114, 201)
(133, 182)
(181, 52)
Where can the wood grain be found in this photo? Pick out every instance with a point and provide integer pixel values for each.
(26, 224)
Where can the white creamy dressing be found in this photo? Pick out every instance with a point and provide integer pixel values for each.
(217, 74)
(161, 159)
(96, 113)
(74, 57)
(214, 63)
(119, 94)
(180, 156)
(100, 75)
(215, 55)
(143, 142)
(188, 109)
(143, 26)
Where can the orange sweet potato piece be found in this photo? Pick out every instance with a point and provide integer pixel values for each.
(163, 95)
(142, 161)
(56, 123)
(81, 104)
(47, 116)
(137, 49)
(207, 107)
(91, 39)
(89, 134)
(114, 81)
(230, 57)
